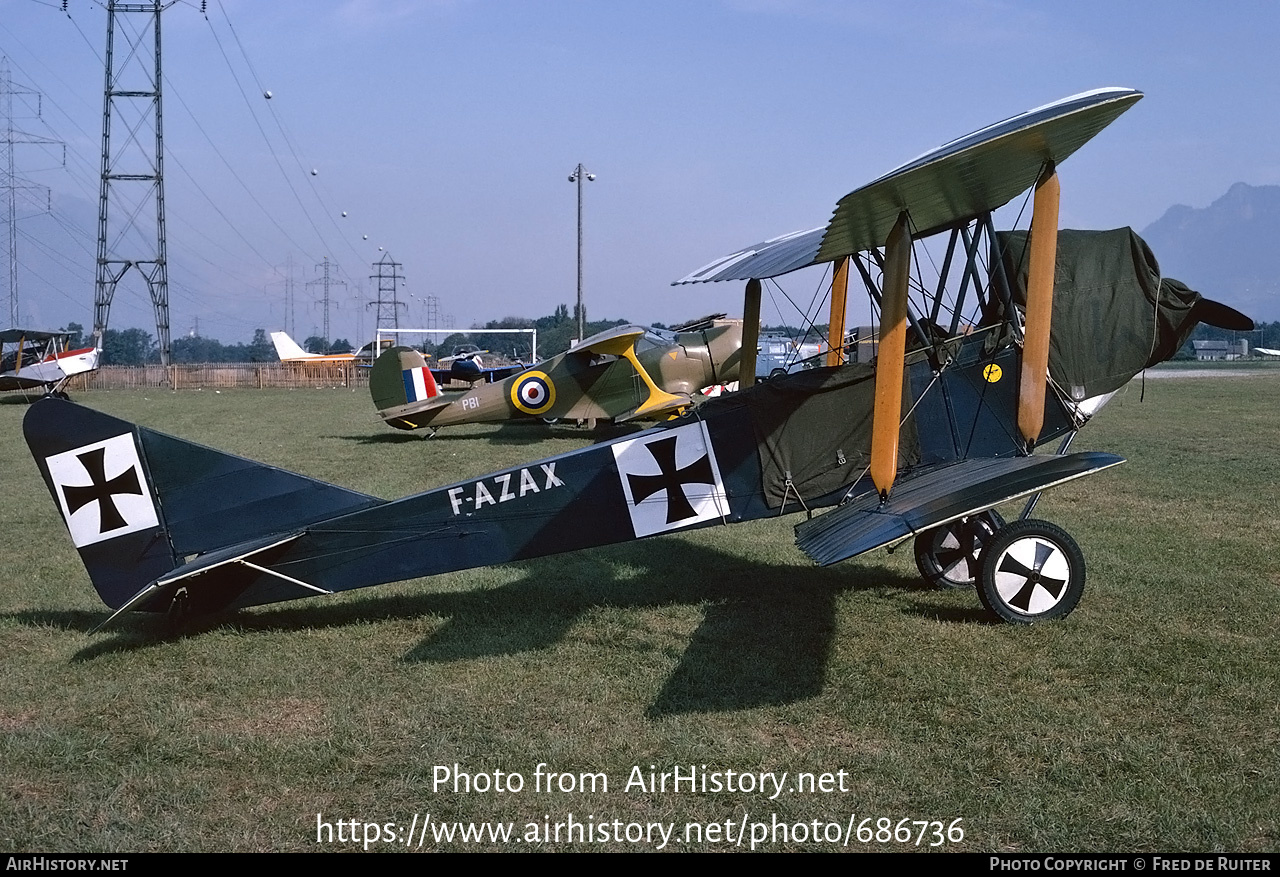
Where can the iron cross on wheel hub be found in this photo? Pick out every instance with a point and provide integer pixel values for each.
(1031, 571)
(948, 556)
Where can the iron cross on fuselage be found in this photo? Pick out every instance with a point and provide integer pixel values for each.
(671, 479)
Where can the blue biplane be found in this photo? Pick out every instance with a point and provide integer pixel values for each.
(1016, 343)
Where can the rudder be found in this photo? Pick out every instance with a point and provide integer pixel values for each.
(401, 376)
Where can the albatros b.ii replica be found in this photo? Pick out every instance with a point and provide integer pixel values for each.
(976, 369)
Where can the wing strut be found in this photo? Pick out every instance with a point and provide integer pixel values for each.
(1035, 350)
(839, 300)
(658, 399)
(887, 414)
(750, 334)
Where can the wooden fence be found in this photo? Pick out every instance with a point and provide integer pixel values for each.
(217, 376)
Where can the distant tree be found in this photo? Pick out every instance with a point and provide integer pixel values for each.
(261, 349)
(507, 345)
(342, 345)
(452, 342)
(315, 344)
(77, 336)
(126, 347)
(194, 348)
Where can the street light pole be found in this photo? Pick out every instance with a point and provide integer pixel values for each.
(579, 173)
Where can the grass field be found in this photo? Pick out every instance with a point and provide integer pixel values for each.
(1148, 720)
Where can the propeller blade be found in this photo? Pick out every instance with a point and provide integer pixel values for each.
(1222, 316)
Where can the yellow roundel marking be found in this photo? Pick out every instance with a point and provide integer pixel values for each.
(533, 393)
(992, 373)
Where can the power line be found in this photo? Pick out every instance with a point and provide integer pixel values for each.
(10, 182)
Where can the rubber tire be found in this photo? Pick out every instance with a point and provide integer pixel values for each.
(777, 373)
(1015, 560)
(945, 571)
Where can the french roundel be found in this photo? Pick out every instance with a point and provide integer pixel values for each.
(533, 393)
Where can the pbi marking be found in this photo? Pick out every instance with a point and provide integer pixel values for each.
(469, 403)
(506, 487)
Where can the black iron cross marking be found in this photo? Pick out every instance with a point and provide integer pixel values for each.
(671, 479)
(1022, 599)
(109, 517)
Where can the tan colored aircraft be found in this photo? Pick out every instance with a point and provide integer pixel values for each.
(624, 373)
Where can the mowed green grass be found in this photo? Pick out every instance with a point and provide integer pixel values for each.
(1147, 720)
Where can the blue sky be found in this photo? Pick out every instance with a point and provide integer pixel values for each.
(446, 130)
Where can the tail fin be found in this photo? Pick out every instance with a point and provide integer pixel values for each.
(288, 350)
(399, 377)
(140, 504)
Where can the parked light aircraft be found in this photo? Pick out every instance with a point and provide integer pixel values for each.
(30, 358)
(624, 373)
(974, 372)
(466, 365)
(289, 352)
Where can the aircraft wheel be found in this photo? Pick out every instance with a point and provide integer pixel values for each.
(550, 421)
(777, 373)
(948, 556)
(1031, 571)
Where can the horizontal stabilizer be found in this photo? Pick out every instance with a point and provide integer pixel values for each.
(934, 496)
(226, 572)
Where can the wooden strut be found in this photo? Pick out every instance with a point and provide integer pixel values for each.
(1035, 350)
(839, 301)
(750, 334)
(887, 413)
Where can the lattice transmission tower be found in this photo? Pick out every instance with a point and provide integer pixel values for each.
(325, 282)
(133, 168)
(387, 302)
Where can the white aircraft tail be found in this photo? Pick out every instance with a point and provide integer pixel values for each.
(288, 349)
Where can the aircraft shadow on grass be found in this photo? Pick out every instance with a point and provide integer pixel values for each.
(764, 637)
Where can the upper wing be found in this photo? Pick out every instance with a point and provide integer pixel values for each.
(944, 187)
(973, 174)
(611, 341)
